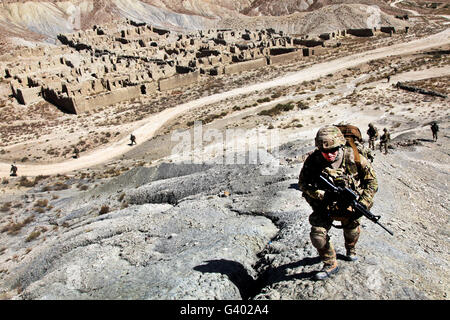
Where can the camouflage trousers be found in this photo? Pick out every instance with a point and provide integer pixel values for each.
(384, 144)
(435, 136)
(372, 143)
(320, 226)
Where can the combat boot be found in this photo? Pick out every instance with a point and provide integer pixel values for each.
(327, 271)
(351, 255)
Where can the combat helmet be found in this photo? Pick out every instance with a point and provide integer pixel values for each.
(329, 137)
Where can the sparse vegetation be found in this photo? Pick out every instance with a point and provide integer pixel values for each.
(41, 203)
(5, 207)
(278, 109)
(14, 228)
(24, 182)
(302, 105)
(33, 236)
(267, 99)
(104, 209)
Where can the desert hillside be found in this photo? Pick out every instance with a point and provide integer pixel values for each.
(25, 22)
(205, 205)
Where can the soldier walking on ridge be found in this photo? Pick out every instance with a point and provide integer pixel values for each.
(132, 139)
(373, 135)
(434, 130)
(13, 171)
(76, 153)
(384, 141)
(335, 160)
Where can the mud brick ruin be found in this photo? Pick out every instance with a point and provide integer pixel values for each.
(109, 64)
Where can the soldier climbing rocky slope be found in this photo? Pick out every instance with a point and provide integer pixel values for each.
(186, 231)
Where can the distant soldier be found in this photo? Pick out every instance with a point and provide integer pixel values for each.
(132, 139)
(372, 132)
(76, 153)
(388, 78)
(384, 141)
(13, 171)
(434, 130)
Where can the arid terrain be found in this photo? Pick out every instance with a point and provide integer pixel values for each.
(146, 210)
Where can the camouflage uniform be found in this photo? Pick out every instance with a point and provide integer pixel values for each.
(360, 179)
(434, 130)
(76, 153)
(366, 152)
(372, 132)
(13, 171)
(132, 139)
(384, 140)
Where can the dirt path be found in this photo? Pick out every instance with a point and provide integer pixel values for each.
(154, 122)
(393, 4)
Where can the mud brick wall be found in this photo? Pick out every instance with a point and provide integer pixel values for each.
(245, 66)
(106, 99)
(308, 52)
(149, 87)
(60, 100)
(178, 80)
(286, 57)
(28, 95)
(308, 43)
(360, 32)
(387, 29)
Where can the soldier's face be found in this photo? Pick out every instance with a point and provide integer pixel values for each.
(331, 154)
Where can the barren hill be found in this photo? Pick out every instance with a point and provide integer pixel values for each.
(321, 20)
(43, 20)
(273, 8)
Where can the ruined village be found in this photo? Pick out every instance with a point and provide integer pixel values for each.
(110, 64)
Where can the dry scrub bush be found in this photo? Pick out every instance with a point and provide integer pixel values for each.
(24, 182)
(278, 109)
(41, 203)
(104, 209)
(83, 187)
(5, 207)
(57, 186)
(14, 228)
(33, 235)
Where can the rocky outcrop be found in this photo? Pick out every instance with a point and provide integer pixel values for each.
(419, 90)
(185, 237)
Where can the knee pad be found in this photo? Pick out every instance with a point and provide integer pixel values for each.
(351, 236)
(319, 237)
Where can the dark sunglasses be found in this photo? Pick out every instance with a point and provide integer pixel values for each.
(329, 150)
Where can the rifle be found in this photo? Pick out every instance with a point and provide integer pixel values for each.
(349, 197)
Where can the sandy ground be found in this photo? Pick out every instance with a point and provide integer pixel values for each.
(150, 125)
(255, 133)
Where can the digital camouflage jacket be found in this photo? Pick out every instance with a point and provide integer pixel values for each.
(361, 179)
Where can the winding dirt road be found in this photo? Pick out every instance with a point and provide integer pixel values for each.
(154, 122)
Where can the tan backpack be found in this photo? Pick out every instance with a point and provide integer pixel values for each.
(352, 134)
